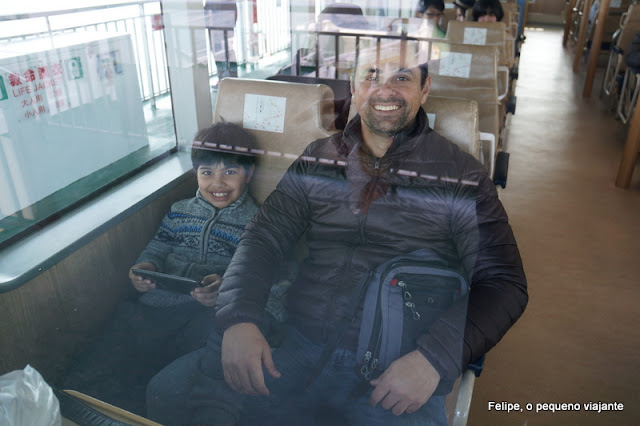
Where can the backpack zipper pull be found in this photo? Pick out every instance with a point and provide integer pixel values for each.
(414, 313)
(405, 291)
(364, 370)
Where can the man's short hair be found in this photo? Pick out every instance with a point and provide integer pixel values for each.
(225, 143)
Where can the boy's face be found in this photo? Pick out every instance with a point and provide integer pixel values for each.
(221, 185)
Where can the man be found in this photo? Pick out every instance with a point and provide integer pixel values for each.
(386, 185)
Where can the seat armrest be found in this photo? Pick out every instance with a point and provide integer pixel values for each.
(490, 138)
(503, 76)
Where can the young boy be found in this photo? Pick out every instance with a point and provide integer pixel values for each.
(196, 239)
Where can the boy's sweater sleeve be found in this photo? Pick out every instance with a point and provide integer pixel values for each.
(160, 245)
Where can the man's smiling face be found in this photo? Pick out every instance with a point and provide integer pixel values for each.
(388, 95)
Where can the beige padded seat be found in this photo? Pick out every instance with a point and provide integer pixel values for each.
(511, 18)
(486, 34)
(629, 26)
(283, 117)
(457, 120)
(471, 73)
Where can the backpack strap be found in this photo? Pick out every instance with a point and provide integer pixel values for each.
(338, 332)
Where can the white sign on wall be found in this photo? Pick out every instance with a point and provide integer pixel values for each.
(70, 105)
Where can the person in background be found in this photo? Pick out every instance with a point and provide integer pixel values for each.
(461, 8)
(196, 239)
(487, 11)
(433, 11)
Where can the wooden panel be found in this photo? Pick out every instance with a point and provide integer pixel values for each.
(44, 321)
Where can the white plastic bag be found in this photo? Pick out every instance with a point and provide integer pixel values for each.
(27, 400)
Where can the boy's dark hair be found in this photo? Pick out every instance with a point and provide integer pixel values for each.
(225, 143)
(488, 7)
(423, 5)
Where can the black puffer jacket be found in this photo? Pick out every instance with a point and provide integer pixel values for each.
(359, 211)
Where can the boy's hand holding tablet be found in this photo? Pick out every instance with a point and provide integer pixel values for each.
(144, 277)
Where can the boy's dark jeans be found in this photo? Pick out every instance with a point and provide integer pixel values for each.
(138, 342)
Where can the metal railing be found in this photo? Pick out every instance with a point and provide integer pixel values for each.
(143, 21)
(136, 18)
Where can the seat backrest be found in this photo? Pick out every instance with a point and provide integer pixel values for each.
(470, 72)
(511, 18)
(629, 26)
(341, 92)
(483, 34)
(283, 117)
(457, 120)
(466, 69)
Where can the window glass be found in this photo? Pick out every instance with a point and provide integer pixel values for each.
(84, 101)
(85, 91)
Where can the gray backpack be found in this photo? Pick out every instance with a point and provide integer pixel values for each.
(403, 298)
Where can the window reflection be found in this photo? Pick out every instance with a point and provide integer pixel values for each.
(85, 93)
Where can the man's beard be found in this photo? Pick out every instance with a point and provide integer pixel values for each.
(387, 127)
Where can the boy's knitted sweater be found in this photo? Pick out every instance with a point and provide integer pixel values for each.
(195, 239)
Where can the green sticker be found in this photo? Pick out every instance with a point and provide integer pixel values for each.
(3, 90)
(74, 68)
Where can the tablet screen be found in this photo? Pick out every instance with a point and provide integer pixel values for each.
(168, 282)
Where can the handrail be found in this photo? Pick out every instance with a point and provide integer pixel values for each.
(16, 17)
(150, 59)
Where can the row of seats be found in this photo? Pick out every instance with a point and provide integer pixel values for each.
(620, 82)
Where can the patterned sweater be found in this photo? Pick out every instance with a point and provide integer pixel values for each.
(195, 239)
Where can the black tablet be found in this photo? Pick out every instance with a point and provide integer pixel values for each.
(169, 282)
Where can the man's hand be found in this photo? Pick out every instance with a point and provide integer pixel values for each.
(244, 352)
(140, 283)
(208, 294)
(406, 385)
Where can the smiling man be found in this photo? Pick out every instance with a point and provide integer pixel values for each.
(388, 185)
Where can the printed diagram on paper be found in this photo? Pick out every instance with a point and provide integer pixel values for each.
(264, 113)
(476, 36)
(455, 64)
